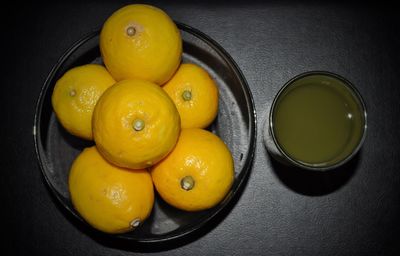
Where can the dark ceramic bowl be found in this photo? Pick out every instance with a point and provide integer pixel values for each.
(235, 124)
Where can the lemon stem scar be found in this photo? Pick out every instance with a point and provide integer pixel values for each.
(187, 95)
(131, 31)
(72, 93)
(187, 183)
(135, 223)
(138, 125)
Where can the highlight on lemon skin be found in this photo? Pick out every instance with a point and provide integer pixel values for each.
(197, 174)
(110, 198)
(75, 96)
(141, 41)
(135, 124)
(195, 95)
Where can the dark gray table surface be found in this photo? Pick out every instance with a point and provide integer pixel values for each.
(351, 211)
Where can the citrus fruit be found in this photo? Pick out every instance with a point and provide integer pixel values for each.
(141, 41)
(197, 174)
(110, 198)
(75, 95)
(135, 124)
(195, 94)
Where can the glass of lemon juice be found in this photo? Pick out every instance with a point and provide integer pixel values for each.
(317, 121)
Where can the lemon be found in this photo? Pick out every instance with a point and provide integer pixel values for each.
(75, 96)
(135, 124)
(197, 174)
(141, 41)
(195, 95)
(110, 198)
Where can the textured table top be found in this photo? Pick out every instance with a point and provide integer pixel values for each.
(354, 210)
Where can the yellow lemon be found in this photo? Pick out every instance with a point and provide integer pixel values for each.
(110, 198)
(197, 174)
(75, 95)
(195, 94)
(135, 124)
(141, 41)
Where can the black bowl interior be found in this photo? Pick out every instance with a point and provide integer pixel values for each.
(235, 124)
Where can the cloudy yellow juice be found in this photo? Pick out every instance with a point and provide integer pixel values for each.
(318, 120)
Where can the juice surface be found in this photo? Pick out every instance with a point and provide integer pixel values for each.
(318, 120)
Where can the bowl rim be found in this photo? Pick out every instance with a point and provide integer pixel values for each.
(241, 177)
